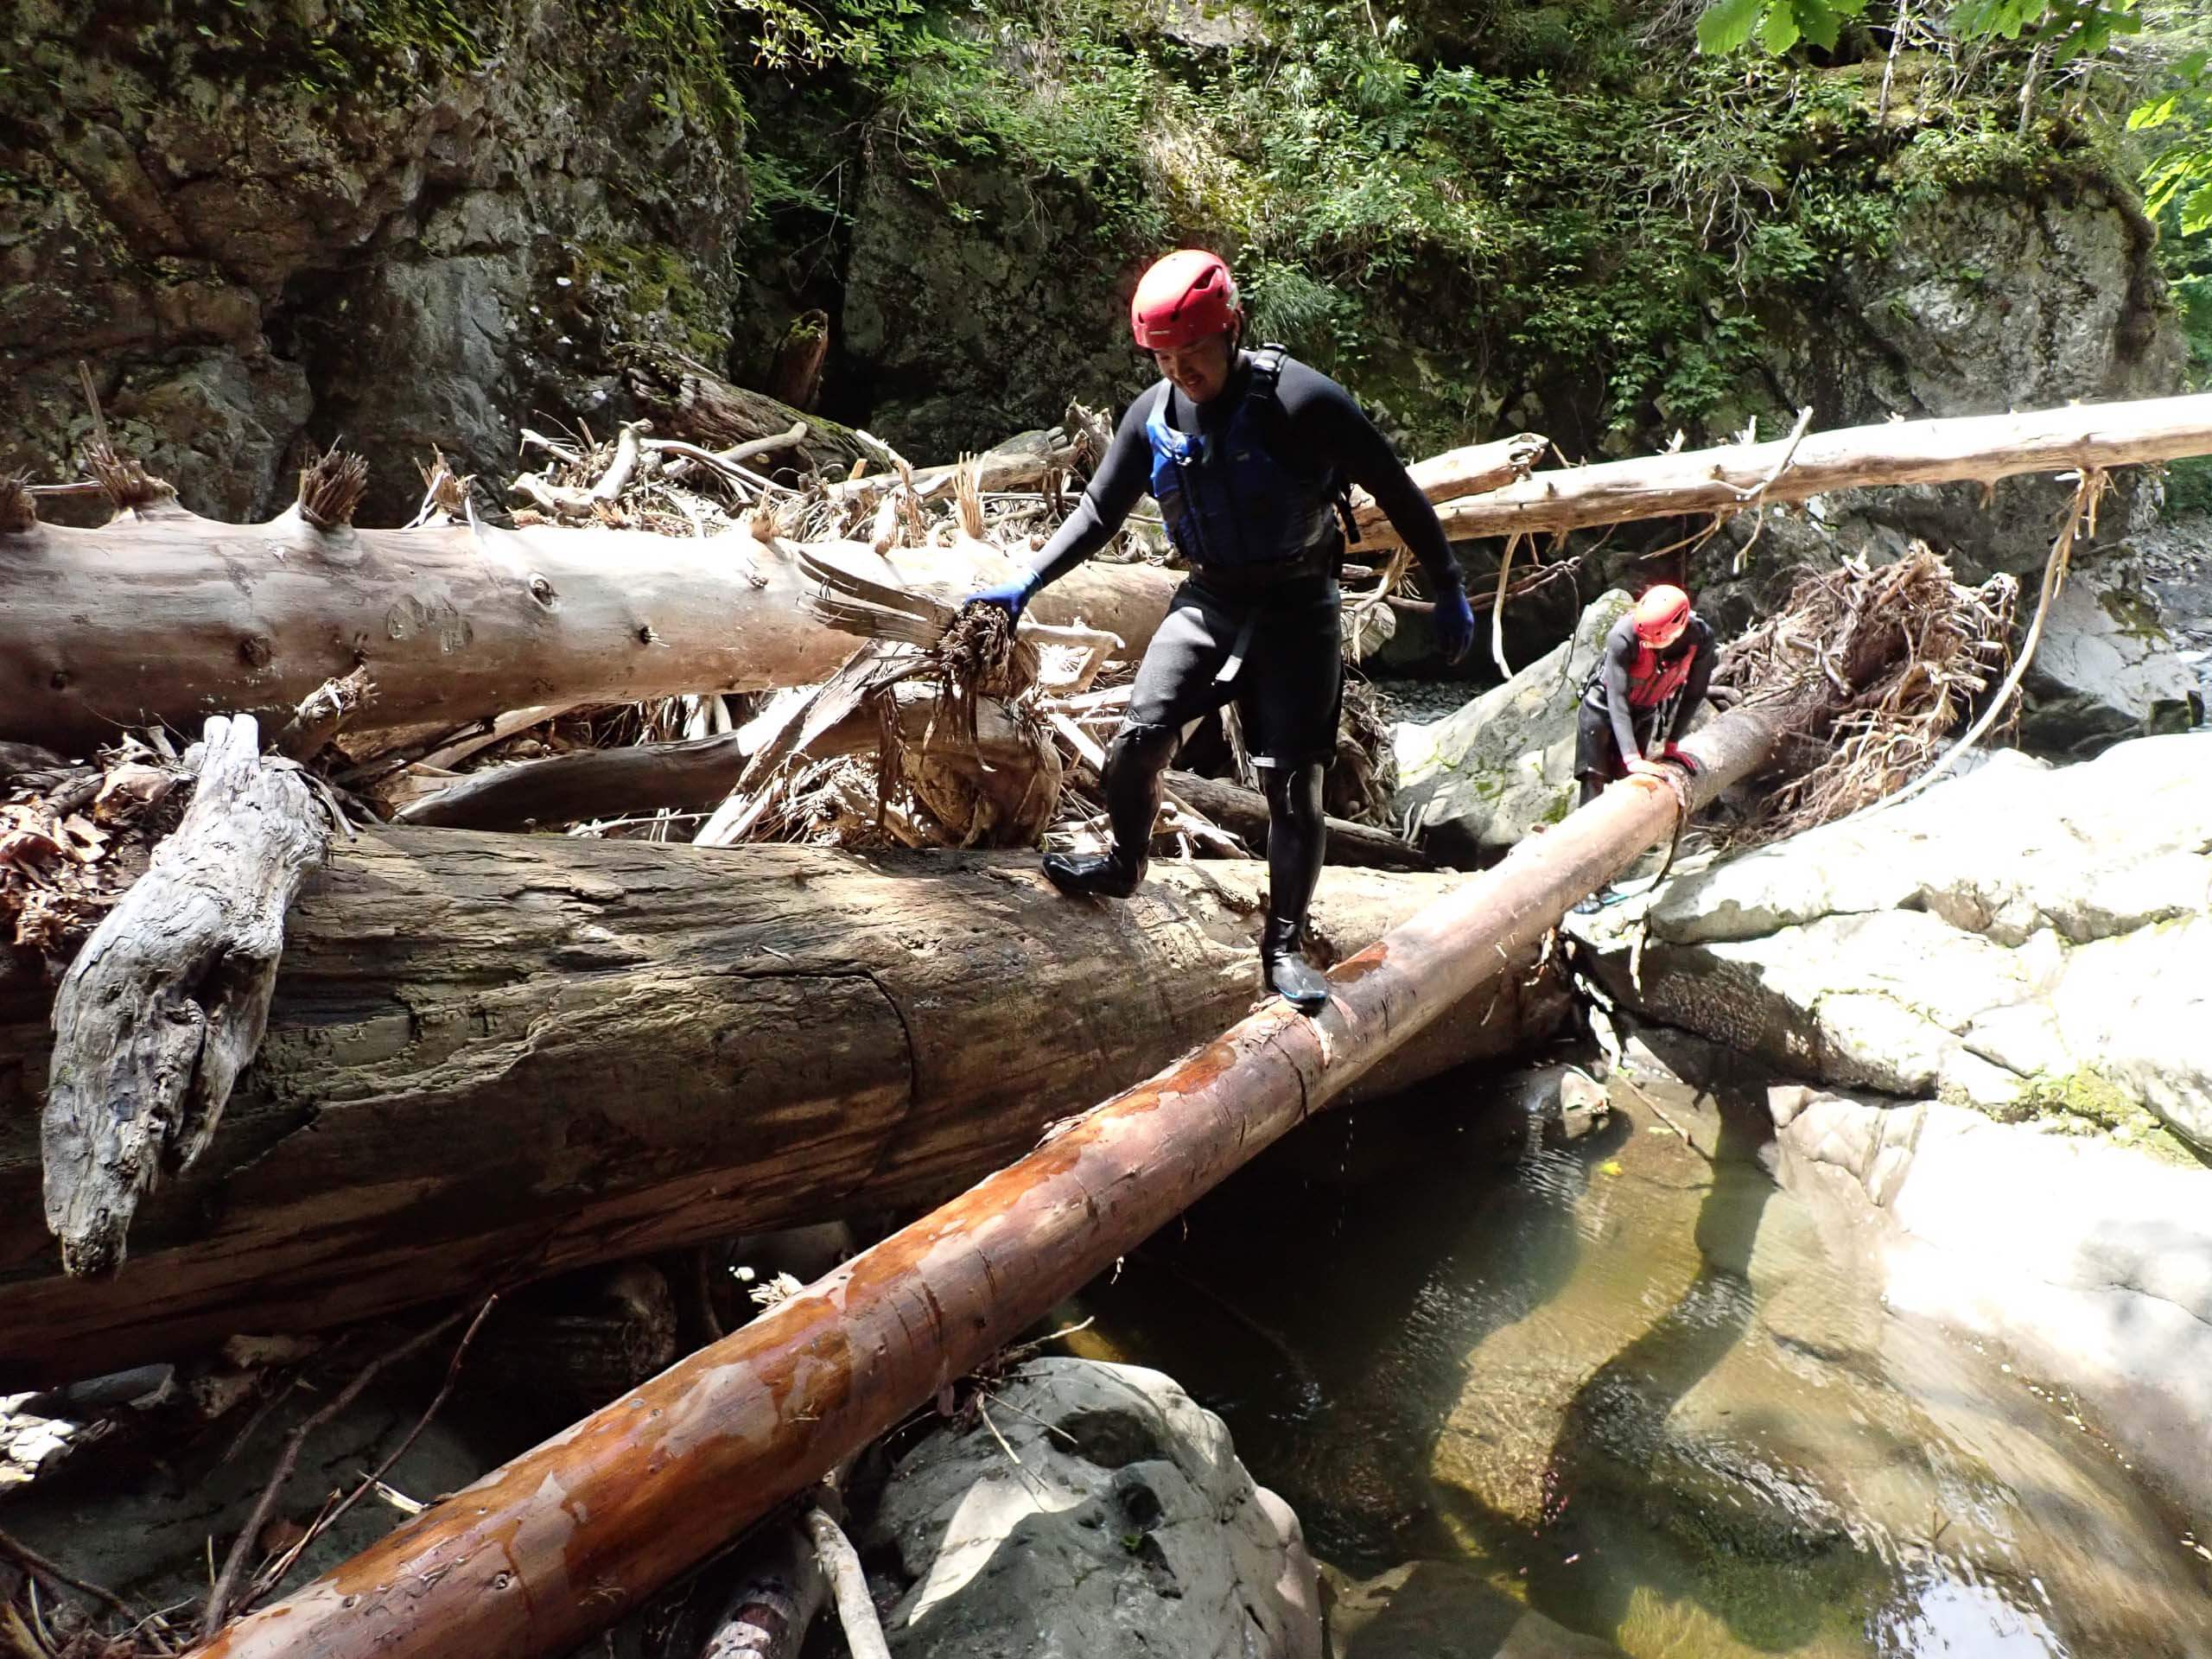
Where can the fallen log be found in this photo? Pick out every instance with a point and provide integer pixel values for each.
(166, 1001)
(687, 401)
(541, 1553)
(169, 618)
(1450, 476)
(1243, 812)
(1975, 448)
(496, 1057)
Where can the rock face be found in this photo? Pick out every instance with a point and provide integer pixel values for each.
(938, 312)
(1474, 782)
(299, 221)
(1128, 1526)
(2107, 668)
(2024, 940)
(1983, 302)
(2089, 1263)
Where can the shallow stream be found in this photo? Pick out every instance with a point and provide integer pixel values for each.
(1621, 1382)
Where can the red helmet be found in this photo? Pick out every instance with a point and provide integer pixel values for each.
(1183, 298)
(1661, 614)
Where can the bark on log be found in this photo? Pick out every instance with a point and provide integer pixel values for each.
(796, 376)
(1243, 812)
(172, 618)
(1978, 449)
(508, 1056)
(167, 1001)
(1448, 477)
(540, 1553)
(768, 1614)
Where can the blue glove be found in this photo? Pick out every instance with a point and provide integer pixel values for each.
(1455, 624)
(1014, 595)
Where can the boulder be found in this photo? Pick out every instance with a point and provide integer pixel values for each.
(1080, 1509)
(1474, 782)
(2106, 668)
(2026, 940)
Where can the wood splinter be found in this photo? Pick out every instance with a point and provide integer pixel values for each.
(331, 486)
(18, 507)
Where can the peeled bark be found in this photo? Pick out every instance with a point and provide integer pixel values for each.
(1976, 449)
(170, 618)
(495, 1057)
(165, 1003)
(540, 1553)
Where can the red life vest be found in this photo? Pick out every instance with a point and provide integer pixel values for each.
(1652, 678)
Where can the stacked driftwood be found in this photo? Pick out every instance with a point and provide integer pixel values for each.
(486, 1058)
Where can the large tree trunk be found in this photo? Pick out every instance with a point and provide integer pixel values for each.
(493, 1057)
(170, 617)
(537, 1556)
(1978, 449)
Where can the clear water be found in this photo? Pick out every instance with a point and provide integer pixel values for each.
(1622, 1383)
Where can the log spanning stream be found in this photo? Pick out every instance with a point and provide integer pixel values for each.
(1621, 1382)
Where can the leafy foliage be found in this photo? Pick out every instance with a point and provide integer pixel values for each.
(2180, 176)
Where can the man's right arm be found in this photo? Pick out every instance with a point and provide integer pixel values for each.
(1119, 483)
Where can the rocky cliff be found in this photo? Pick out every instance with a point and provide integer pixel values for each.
(290, 219)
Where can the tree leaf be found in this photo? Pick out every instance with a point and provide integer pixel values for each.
(2196, 210)
(1727, 25)
(1821, 24)
(1780, 30)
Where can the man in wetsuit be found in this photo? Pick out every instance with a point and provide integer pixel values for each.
(1249, 455)
(1646, 688)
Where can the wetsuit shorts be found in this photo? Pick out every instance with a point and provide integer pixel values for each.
(1277, 652)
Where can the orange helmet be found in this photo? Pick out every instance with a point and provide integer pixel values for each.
(1661, 614)
(1183, 298)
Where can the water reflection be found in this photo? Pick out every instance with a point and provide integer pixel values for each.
(1621, 1382)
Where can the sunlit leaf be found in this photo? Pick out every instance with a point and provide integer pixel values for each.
(1727, 25)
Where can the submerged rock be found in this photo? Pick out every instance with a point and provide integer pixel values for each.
(1099, 1511)
(2090, 1264)
(2026, 940)
(1447, 1610)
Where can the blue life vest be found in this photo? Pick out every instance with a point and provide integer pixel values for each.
(1228, 498)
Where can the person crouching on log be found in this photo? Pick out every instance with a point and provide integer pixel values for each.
(1250, 455)
(1649, 680)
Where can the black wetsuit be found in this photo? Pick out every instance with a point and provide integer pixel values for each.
(1631, 692)
(1260, 626)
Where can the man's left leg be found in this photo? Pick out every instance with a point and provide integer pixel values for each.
(1290, 708)
(1297, 839)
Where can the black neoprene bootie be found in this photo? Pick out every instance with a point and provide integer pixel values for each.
(1282, 954)
(1094, 875)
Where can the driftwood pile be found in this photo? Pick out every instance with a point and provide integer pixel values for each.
(490, 1058)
